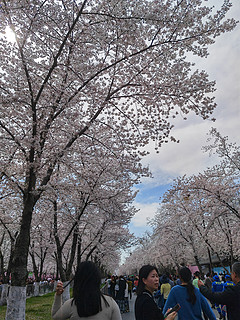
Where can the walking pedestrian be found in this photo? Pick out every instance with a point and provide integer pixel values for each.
(208, 283)
(165, 287)
(217, 286)
(130, 287)
(108, 283)
(196, 278)
(190, 299)
(112, 287)
(120, 294)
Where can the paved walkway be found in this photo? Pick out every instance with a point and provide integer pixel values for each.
(130, 315)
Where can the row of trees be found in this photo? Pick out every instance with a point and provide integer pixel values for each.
(83, 214)
(199, 216)
(84, 86)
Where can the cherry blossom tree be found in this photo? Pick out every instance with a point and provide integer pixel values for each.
(82, 216)
(191, 223)
(228, 152)
(200, 207)
(78, 66)
(229, 168)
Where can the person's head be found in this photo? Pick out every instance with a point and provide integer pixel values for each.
(185, 274)
(148, 279)
(87, 276)
(86, 289)
(235, 274)
(197, 274)
(164, 278)
(216, 278)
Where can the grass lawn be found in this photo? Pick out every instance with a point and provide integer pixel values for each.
(37, 308)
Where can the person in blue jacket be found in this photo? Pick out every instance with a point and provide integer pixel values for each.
(217, 286)
(228, 282)
(192, 302)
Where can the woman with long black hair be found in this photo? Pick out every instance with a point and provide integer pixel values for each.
(88, 302)
(192, 302)
(145, 306)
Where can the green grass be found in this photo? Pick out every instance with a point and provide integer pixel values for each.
(37, 308)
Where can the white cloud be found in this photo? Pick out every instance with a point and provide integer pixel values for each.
(222, 65)
(146, 211)
(173, 160)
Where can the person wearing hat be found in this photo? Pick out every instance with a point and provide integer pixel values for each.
(228, 282)
(229, 297)
(217, 286)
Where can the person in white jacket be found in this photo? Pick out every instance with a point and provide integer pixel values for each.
(88, 303)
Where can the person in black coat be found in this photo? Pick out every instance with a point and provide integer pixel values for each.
(230, 297)
(120, 295)
(145, 306)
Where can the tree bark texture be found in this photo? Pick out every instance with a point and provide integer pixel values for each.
(66, 292)
(16, 303)
(36, 291)
(4, 294)
(20, 254)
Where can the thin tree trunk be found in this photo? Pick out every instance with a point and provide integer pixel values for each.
(79, 248)
(210, 262)
(198, 264)
(72, 254)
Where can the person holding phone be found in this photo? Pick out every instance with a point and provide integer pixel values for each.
(192, 302)
(145, 306)
(88, 302)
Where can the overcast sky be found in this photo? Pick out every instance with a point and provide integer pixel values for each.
(173, 160)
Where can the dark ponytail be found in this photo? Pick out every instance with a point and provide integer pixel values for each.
(186, 275)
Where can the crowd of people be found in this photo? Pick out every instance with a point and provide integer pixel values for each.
(121, 289)
(158, 297)
(189, 293)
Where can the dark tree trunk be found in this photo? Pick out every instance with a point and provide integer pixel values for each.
(20, 254)
(210, 262)
(198, 264)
